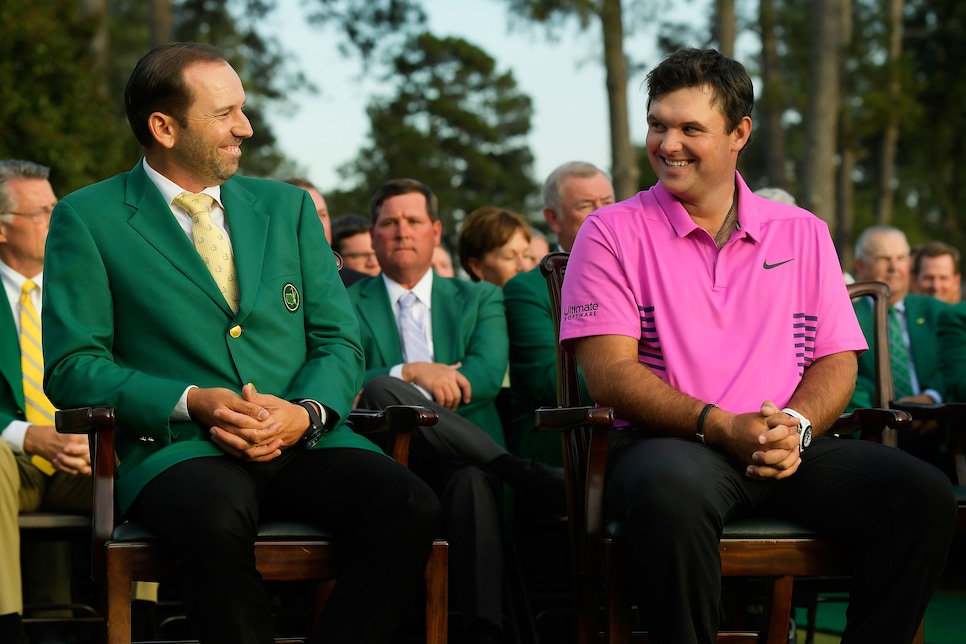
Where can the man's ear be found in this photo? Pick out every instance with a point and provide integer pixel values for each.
(550, 215)
(164, 129)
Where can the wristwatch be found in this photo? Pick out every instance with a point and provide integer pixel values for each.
(316, 425)
(804, 429)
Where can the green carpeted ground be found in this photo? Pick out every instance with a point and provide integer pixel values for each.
(945, 620)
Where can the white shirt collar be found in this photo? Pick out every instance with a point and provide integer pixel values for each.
(423, 290)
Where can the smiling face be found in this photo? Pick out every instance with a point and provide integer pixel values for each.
(689, 147)
(404, 237)
(579, 196)
(938, 277)
(206, 149)
(886, 259)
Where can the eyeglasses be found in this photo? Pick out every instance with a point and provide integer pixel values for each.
(43, 212)
(360, 255)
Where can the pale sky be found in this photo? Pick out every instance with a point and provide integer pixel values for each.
(564, 79)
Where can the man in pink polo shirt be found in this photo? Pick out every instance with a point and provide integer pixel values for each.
(717, 325)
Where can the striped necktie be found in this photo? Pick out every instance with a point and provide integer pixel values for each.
(39, 411)
(211, 242)
(899, 356)
(412, 330)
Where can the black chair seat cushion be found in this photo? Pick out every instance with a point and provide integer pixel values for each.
(279, 530)
(748, 528)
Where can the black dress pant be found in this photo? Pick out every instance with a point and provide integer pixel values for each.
(675, 496)
(208, 510)
(450, 456)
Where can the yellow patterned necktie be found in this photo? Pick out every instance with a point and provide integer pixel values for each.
(211, 242)
(39, 411)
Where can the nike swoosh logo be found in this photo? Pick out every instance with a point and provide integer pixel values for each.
(768, 266)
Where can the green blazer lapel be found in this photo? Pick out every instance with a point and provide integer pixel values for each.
(378, 320)
(248, 227)
(447, 321)
(922, 339)
(152, 219)
(10, 354)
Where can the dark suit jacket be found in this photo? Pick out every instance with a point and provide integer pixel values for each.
(469, 326)
(132, 316)
(922, 320)
(533, 364)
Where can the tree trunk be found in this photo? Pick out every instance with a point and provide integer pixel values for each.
(727, 27)
(890, 134)
(160, 22)
(849, 147)
(100, 43)
(821, 118)
(623, 155)
(770, 104)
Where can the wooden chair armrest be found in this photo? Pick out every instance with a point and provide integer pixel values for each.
(564, 418)
(98, 423)
(870, 422)
(935, 411)
(398, 421)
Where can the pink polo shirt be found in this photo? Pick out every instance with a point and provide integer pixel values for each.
(737, 326)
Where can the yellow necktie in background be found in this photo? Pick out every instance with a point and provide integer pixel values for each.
(39, 411)
(211, 243)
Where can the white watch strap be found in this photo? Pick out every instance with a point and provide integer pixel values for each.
(802, 424)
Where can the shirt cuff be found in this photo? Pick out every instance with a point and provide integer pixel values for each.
(14, 434)
(180, 411)
(932, 393)
(320, 407)
(396, 372)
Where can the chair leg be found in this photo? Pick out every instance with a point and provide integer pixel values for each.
(118, 606)
(437, 593)
(778, 609)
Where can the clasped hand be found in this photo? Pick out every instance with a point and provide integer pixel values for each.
(767, 442)
(444, 382)
(252, 427)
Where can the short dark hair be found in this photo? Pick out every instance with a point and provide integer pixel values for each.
(485, 229)
(11, 169)
(734, 93)
(396, 187)
(347, 226)
(157, 84)
(301, 182)
(934, 249)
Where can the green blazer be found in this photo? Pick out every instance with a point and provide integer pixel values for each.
(11, 377)
(952, 337)
(132, 316)
(469, 326)
(922, 319)
(533, 364)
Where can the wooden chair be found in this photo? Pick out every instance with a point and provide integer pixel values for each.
(126, 552)
(774, 550)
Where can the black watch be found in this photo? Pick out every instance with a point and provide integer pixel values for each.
(316, 427)
(804, 429)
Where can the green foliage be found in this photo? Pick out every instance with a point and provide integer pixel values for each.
(62, 109)
(455, 123)
(52, 111)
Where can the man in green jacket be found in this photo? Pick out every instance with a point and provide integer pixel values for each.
(442, 342)
(570, 193)
(206, 308)
(882, 254)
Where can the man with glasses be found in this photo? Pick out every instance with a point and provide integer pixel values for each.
(40, 469)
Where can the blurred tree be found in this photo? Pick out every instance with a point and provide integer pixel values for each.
(455, 123)
(53, 109)
(609, 13)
